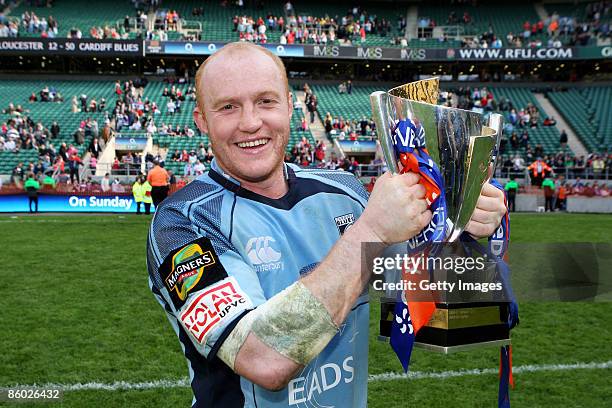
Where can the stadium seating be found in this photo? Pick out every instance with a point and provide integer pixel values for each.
(353, 106)
(389, 12)
(547, 136)
(504, 18)
(216, 20)
(433, 43)
(589, 112)
(17, 92)
(357, 105)
(567, 10)
(80, 14)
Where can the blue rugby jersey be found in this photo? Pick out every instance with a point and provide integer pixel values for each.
(216, 251)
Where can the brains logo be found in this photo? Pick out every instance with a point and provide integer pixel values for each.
(343, 222)
(187, 268)
(262, 255)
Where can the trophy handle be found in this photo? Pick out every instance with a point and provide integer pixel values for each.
(383, 119)
(496, 122)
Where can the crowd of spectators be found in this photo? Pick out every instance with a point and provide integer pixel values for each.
(46, 26)
(20, 132)
(555, 31)
(305, 154)
(346, 129)
(8, 27)
(353, 27)
(591, 166)
(47, 94)
(195, 161)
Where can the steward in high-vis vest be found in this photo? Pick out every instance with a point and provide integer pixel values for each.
(142, 194)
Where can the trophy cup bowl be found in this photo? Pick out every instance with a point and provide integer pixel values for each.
(464, 148)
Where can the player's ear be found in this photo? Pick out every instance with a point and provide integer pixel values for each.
(200, 119)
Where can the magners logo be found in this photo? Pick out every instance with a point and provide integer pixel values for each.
(187, 269)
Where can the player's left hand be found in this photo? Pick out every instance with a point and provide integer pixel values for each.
(487, 216)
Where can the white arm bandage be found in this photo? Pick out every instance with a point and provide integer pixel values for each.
(293, 322)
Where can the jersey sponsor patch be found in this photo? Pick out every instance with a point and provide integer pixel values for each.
(343, 222)
(217, 303)
(190, 268)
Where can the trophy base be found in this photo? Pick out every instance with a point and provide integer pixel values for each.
(456, 326)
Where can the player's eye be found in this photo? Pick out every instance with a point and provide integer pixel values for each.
(227, 107)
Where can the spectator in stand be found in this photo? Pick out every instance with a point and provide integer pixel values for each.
(74, 161)
(320, 152)
(598, 166)
(49, 182)
(105, 183)
(94, 148)
(563, 139)
(171, 178)
(170, 106)
(55, 130)
(116, 186)
(199, 168)
(511, 188)
(588, 190)
(311, 105)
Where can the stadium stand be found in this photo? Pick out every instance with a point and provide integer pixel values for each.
(216, 19)
(17, 93)
(589, 112)
(356, 105)
(501, 19)
(548, 137)
(351, 106)
(512, 20)
(391, 13)
(70, 15)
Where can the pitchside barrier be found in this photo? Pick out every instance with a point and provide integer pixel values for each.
(65, 198)
(69, 200)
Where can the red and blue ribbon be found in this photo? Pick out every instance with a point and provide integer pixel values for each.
(409, 145)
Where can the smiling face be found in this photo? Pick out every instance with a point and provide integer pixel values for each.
(244, 106)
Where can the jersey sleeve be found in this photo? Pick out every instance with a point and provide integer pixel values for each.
(199, 278)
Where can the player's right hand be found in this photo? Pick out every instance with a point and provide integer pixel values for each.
(397, 209)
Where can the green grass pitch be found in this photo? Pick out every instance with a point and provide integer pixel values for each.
(76, 308)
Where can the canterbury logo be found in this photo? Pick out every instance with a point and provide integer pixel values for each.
(260, 251)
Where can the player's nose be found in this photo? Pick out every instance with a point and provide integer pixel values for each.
(250, 120)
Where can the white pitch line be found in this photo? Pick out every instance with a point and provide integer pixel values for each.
(417, 375)
(413, 375)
